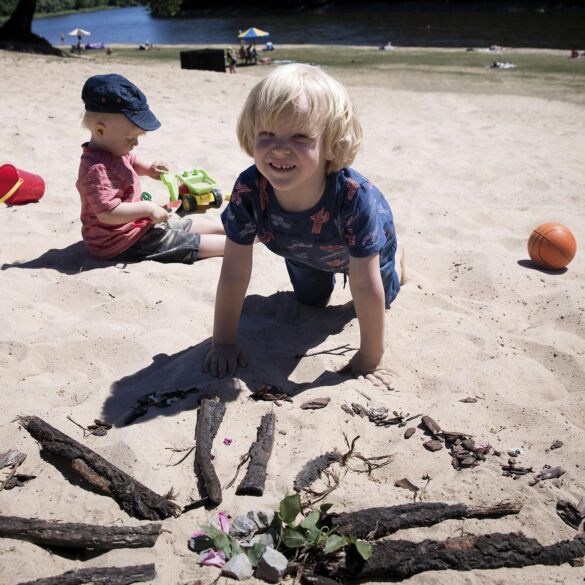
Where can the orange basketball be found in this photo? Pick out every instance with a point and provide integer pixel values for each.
(552, 245)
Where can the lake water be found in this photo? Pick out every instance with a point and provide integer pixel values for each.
(561, 30)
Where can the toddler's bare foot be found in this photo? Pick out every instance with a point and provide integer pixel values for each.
(400, 265)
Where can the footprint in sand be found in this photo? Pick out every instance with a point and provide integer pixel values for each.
(12, 352)
(564, 366)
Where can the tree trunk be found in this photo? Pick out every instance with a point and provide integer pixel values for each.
(16, 33)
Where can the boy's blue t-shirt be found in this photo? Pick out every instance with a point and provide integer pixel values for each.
(352, 218)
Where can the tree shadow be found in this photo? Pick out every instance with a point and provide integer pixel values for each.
(525, 263)
(274, 332)
(70, 260)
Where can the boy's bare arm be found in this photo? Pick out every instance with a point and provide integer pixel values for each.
(128, 212)
(367, 290)
(225, 356)
(153, 170)
(231, 290)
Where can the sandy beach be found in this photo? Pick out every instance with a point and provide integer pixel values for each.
(469, 167)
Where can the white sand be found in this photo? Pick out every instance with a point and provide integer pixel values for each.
(468, 177)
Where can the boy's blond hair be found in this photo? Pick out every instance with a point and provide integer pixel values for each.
(330, 111)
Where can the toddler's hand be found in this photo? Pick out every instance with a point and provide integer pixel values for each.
(158, 168)
(158, 214)
(364, 369)
(224, 359)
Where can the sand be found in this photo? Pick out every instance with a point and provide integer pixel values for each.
(468, 176)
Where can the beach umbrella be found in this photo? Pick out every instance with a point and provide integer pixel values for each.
(79, 32)
(253, 34)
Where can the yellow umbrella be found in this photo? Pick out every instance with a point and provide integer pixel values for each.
(253, 33)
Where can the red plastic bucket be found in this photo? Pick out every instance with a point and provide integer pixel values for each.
(19, 187)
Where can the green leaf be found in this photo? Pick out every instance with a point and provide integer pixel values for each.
(311, 520)
(314, 535)
(334, 542)
(211, 531)
(290, 508)
(292, 538)
(221, 541)
(364, 548)
(255, 553)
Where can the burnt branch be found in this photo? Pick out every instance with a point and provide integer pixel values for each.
(74, 535)
(260, 451)
(209, 417)
(101, 576)
(378, 522)
(401, 559)
(132, 496)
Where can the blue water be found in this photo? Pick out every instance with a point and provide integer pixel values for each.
(562, 30)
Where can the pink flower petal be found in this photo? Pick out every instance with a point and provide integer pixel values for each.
(224, 522)
(198, 533)
(227, 441)
(211, 558)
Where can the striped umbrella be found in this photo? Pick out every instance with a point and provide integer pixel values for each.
(253, 33)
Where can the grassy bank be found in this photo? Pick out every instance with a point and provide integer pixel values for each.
(542, 73)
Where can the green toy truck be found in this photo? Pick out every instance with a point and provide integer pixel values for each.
(192, 189)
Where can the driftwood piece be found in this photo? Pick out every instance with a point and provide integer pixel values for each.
(378, 522)
(260, 451)
(400, 559)
(101, 576)
(209, 417)
(132, 496)
(313, 469)
(74, 535)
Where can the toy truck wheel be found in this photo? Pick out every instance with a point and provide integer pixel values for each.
(218, 198)
(189, 203)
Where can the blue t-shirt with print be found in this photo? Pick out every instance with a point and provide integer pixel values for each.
(352, 218)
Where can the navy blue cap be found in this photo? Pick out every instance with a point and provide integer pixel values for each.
(114, 94)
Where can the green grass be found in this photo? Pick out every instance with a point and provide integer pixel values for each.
(551, 75)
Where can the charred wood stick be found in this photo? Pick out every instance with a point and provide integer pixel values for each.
(132, 496)
(101, 576)
(74, 535)
(373, 523)
(313, 469)
(400, 559)
(260, 451)
(209, 417)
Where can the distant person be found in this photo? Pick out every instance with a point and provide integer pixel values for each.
(269, 46)
(116, 223)
(62, 38)
(251, 54)
(79, 43)
(303, 201)
(242, 52)
(232, 60)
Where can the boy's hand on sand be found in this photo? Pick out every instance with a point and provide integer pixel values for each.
(158, 168)
(158, 214)
(224, 360)
(362, 368)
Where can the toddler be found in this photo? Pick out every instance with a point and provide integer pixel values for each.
(116, 223)
(303, 201)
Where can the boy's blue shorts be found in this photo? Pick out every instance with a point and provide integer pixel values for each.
(314, 287)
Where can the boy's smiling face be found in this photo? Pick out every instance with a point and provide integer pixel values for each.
(117, 134)
(291, 155)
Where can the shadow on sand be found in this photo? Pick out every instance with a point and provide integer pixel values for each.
(525, 263)
(70, 260)
(273, 332)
